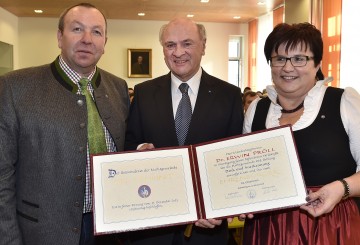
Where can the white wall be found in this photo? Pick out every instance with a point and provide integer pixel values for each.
(9, 32)
(263, 70)
(37, 41)
(38, 45)
(243, 30)
(350, 52)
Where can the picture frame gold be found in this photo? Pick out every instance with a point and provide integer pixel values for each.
(139, 63)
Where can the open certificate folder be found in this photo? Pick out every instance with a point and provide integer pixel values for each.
(170, 186)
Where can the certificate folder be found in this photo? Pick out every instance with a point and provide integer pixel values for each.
(170, 186)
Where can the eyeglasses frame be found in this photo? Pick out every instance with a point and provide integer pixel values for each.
(289, 58)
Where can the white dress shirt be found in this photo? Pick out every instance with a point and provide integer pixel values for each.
(176, 95)
(194, 84)
(349, 111)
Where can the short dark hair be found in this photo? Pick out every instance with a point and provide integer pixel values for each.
(292, 35)
(248, 93)
(247, 89)
(86, 5)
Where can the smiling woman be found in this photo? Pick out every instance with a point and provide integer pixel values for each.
(320, 115)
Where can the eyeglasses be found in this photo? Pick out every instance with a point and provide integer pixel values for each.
(296, 61)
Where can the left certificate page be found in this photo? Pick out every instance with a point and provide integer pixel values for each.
(137, 190)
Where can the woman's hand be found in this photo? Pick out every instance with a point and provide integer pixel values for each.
(324, 200)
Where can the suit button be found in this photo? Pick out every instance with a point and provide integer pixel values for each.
(78, 177)
(82, 125)
(81, 149)
(80, 102)
(75, 230)
(77, 204)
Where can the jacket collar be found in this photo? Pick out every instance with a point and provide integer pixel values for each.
(65, 81)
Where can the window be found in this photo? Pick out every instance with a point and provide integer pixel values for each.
(235, 66)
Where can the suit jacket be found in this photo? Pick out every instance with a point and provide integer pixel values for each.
(43, 138)
(217, 114)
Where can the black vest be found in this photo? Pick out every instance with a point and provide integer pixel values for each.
(323, 147)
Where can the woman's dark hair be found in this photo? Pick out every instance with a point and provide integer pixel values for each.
(304, 34)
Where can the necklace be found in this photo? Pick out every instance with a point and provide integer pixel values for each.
(290, 111)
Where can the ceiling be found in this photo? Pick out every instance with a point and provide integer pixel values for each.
(213, 11)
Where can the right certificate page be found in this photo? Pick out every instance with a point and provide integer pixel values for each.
(250, 173)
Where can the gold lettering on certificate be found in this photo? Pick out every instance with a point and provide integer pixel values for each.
(249, 174)
(141, 188)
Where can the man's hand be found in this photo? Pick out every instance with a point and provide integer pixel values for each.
(146, 146)
(208, 223)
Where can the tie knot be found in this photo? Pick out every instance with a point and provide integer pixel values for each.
(83, 84)
(184, 87)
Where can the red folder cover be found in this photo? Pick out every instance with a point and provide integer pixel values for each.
(179, 185)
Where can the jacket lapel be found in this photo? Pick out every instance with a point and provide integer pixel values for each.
(203, 105)
(112, 117)
(164, 110)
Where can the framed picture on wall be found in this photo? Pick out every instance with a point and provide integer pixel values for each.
(139, 63)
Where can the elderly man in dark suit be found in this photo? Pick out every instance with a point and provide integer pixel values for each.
(45, 195)
(216, 110)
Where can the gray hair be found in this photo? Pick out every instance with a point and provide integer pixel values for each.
(200, 27)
